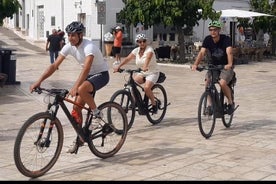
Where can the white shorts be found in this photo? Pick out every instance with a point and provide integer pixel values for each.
(153, 77)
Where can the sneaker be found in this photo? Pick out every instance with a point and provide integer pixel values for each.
(208, 111)
(230, 108)
(154, 108)
(96, 122)
(75, 147)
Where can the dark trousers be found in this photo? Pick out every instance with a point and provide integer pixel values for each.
(53, 56)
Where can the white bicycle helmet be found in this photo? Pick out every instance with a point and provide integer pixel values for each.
(140, 37)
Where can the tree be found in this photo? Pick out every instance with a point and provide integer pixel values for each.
(267, 24)
(8, 8)
(183, 15)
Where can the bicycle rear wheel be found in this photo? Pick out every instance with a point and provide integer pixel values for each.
(109, 134)
(125, 99)
(206, 115)
(38, 145)
(226, 119)
(160, 96)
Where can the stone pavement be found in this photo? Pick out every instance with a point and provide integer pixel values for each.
(172, 150)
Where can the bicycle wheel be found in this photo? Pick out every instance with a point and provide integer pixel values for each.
(125, 99)
(160, 96)
(226, 119)
(109, 134)
(206, 115)
(38, 145)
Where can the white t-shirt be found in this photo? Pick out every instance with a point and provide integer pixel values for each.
(86, 48)
(153, 67)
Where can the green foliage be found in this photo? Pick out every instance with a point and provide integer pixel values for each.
(8, 8)
(167, 12)
(182, 14)
(268, 24)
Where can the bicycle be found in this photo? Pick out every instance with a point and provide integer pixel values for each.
(207, 113)
(40, 139)
(130, 98)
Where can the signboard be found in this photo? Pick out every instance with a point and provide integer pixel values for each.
(101, 13)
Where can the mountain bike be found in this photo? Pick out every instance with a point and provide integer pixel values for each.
(133, 98)
(217, 108)
(39, 141)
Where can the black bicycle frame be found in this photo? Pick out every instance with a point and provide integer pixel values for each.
(216, 95)
(139, 102)
(59, 101)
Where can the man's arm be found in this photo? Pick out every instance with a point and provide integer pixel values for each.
(47, 45)
(229, 52)
(199, 58)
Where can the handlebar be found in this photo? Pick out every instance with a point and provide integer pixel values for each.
(54, 91)
(129, 70)
(210, 67)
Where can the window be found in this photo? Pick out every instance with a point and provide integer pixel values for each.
(53, 21)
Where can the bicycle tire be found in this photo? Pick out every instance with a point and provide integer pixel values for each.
(206, 120)
(125, 99)
(227, 119)
(32, 157)
(160, 96)
(110, 133)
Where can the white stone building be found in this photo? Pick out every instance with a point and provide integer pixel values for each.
(38, 17)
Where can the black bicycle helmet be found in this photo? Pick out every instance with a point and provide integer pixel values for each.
(75, 27)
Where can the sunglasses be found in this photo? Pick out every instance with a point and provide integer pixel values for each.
(140, 41)
(215, 29)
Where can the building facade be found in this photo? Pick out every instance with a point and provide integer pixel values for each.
(37, 18)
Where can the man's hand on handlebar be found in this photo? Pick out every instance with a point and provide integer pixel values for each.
(34, 86)
(228, 67)
(194, 67)
(116, 69)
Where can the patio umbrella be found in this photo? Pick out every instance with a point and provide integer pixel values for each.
(235, 13)
(241, 13)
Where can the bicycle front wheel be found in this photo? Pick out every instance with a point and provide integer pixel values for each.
(160, 96)
(206, 115)
(38, 145)
(109, 134)
(124, 98)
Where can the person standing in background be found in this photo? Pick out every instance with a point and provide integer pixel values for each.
(241, 36)
(118, 39)
(61, 34)
(53, 45)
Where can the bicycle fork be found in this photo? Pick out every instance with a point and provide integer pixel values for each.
(45, 142)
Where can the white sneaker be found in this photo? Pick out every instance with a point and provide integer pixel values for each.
(96, 121)
(75, 146)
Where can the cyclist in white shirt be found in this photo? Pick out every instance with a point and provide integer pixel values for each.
(94, 74)
(145, 59)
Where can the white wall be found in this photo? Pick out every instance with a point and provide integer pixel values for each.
(65, 12)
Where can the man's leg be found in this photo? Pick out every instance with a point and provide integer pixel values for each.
(226, 90)
(51, 57)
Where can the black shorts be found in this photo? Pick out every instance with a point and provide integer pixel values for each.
(116, 50)
(98, 80)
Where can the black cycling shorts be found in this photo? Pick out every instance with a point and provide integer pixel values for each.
(98, 80)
